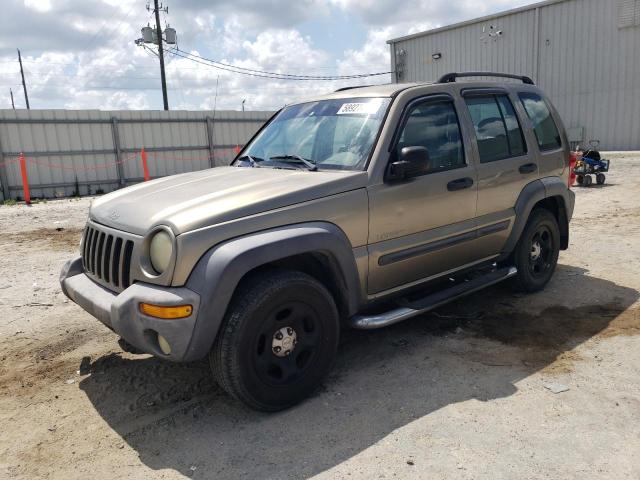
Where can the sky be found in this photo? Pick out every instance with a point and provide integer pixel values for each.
(81, 54)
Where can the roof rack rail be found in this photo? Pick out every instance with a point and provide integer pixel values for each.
(451, 77)
(351, 88)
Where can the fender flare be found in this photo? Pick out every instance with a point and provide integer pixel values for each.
(533, 193)
(220, 270)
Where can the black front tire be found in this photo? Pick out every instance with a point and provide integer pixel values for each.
(587, 181)
(537, 251)
(600, 178)
(278, 340)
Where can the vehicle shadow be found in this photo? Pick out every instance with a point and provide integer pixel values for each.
(175, 416)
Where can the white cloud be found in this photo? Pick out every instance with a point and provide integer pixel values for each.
(38, 5)
(80, 53)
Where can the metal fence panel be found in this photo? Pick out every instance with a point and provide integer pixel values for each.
(93, 151)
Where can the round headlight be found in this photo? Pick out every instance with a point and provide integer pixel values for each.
(160, 251)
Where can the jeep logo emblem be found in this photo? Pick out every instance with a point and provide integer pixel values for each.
(114, 215)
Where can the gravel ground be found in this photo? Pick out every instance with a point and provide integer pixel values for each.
(463, 392)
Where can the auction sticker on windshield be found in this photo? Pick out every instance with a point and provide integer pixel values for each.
(369, 108)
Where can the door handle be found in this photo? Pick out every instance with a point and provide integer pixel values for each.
(459, 184)
(528, 168)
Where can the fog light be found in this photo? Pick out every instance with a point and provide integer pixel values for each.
(164, 345)
(168, 313)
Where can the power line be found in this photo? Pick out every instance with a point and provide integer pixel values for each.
(91, 87)
(104, 24)
(265, 74)
(183, 86)
(135, 67)
(276, 74)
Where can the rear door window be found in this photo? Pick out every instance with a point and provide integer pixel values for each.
(498, 131)
(515, 136)
(543, 125)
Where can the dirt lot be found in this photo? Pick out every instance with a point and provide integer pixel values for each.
(460, 393)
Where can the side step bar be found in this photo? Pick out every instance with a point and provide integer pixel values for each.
(411, 309)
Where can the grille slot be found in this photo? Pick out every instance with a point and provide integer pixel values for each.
(106, 267)
(85, 247)
(98, 258)
(92, 253)
(106, 257)
(115, 272)
(126, 264)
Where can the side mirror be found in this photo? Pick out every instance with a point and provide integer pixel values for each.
(413, 162)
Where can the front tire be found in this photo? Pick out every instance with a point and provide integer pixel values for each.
(278, 340)
(537, 251)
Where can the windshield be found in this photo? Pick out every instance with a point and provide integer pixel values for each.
(332, 134)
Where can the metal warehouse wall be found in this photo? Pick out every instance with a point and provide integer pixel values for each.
(101, 149)
(577, 51)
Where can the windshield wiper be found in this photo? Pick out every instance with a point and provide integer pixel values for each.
(310, 164)
(252, 160)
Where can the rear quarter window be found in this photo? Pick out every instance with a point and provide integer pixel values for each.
(544, 127)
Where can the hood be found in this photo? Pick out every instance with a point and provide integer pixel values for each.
(198, 199)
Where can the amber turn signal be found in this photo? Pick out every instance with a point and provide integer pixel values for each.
(168, 313)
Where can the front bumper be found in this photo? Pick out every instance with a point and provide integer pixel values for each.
(121, 312)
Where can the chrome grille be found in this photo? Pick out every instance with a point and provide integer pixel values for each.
(106, 257)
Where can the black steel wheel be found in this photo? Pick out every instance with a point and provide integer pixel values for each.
(537, 251)
(278, 340)
(600, 178)
(541, 251)
(286, 344)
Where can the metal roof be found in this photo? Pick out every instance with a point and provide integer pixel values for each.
(493, 16)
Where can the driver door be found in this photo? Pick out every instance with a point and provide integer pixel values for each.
(421, 227)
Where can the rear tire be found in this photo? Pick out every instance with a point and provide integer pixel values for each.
(580, 179)
(587, 181)
(600, 179)
(536, 254)
(278, 340)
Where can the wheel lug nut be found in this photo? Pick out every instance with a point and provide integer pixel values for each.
(277, 349)
(279, 336)
(289, 331)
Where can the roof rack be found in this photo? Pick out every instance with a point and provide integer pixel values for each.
(451, 77)
(351, 88)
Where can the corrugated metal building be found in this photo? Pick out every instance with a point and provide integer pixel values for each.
(585, 54)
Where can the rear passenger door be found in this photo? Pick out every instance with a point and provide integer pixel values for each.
(504, 163)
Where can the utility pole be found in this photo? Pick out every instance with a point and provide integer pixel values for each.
(13, 105)
(155, 36)
(163, 79)
(24, 85)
